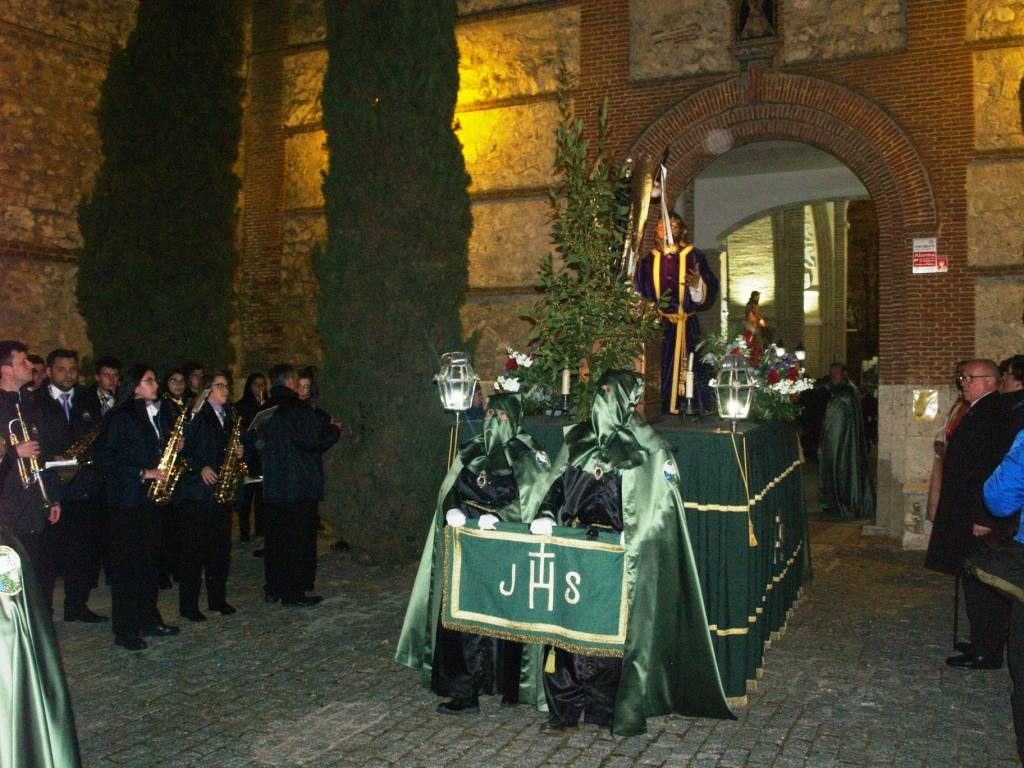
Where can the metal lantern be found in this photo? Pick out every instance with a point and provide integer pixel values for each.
(456, 381)
(801, 353)
(734, 388)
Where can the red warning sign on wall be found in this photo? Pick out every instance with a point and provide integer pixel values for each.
(926, 256)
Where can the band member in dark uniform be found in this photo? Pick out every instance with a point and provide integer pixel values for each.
(250, 495)
(27, 509)
(194, 374)
(206, 523)
(172, 515)
(100, 398)
(129, 451)
(74, 538)
(291, 443)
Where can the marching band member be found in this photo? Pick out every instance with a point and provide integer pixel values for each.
(250, 495)
(129, 451)
(206, 522)
(26, 506)
(75, 536)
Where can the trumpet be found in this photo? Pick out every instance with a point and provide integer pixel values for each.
(28, 469)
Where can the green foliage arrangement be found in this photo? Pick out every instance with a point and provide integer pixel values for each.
(589, 317)
(159, 253)
(394, 273)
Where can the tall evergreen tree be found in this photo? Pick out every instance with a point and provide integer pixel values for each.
(394, 274)
(156, 269)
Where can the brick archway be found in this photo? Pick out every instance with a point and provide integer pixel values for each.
(759, 106)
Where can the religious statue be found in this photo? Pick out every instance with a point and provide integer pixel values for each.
(754, 322)
(755, 19)
(678, 273)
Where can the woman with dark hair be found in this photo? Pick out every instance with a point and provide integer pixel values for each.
(251, 494)
(128, 451)
(173, 388)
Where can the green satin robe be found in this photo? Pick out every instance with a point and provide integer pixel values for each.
(532, 469)
(668, 665)
(35, 711)
(845, 487)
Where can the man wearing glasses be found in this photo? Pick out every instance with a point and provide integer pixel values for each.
(962, 521)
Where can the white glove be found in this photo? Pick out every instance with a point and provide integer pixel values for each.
(455, 518)
(542, 526)
(487, 522)
(622, 539)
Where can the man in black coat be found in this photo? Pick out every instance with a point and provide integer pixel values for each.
(27, 511)
(291, 442)
(1011, 389)
(205, 523)
(963, 522)
(74, 540)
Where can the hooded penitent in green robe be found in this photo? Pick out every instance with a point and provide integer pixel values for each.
(502, 447)
(844, 482)
(668, 664)
(38, 729)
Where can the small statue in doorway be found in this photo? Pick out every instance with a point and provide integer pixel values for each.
(755, 19)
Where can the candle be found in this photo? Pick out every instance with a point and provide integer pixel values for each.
(566, 380)
(689, 381)
(689, 365)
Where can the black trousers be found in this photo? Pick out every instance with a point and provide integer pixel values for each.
(286, 547)
(466, 665)
(205, 549)
(1015, 659)
(582, 685)
(75, 549)
(134, 569)
(989, 614)
(170, 540)
(250, 510)
(309, 559)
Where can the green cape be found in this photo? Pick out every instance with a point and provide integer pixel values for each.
(39, 729)
(419, 630)
(668, 665)
(844, 479)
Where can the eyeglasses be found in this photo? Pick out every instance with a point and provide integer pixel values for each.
(967, 378)
(219, 385)
(148, 380)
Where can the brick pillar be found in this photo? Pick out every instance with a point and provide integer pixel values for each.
(263, 190)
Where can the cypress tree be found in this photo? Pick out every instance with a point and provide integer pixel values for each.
(159, 254)
(394, 273)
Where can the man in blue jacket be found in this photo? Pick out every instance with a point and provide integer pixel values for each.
(1004, 497)
(291, 443)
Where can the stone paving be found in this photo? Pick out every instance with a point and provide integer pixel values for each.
(857, 680)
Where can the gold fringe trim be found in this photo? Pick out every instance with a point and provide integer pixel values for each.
(754, 500)
(759, 611)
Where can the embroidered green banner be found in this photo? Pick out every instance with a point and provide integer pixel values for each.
(566, 590)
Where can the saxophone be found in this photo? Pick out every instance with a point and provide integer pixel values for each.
(161, 491)
(233, 470)
(80, 448)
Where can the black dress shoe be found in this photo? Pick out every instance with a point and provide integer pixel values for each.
(84, 615)
(130, 643)
(257, 553)
(270, 597)
(341, 546)
(975, 661)
(509, 701)
(196, 615)
(964, 646)
(458, 706)
(160, 630)
(301, 601)
(554, 727)
(223, 609)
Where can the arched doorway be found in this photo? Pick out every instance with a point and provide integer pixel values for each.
(759, 107)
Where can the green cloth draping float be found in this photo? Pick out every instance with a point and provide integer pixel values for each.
(748, 590)
(565, 590)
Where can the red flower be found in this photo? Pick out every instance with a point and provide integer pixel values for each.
(736, 351)
(773, 376)
(511, 364)
(755, 358)
(793, 374)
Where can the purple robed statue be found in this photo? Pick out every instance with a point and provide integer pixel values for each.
(699, 287)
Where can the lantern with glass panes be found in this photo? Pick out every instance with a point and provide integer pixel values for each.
(734, 388)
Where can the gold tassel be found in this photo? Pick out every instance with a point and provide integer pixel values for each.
(751, 538)
(549, 665)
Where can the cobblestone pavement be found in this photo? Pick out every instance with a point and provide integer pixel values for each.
(857, 680)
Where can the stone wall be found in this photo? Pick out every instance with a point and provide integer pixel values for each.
(53, 59)
(995, 19)
(672, 38)
(817, 31)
